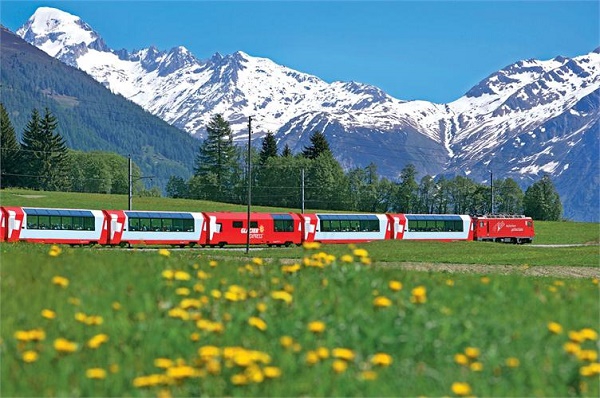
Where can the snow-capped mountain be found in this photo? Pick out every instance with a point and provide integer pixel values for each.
(529, 118)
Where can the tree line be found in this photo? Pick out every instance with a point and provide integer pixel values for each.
(221, 174)
(42, 161)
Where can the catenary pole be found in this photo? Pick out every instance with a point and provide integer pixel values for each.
(249, 174)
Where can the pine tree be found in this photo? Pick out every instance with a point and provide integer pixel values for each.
(408, 190)
(287, 152)
(269, 148)
(10, 151)
(45, 153)
(216, 163)
(319, 145)
(542, 202)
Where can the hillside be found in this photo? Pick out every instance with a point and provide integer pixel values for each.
(90, 116)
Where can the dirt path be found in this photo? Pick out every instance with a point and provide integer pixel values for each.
(549, 271)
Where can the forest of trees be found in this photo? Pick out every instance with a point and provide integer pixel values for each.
(42, 161)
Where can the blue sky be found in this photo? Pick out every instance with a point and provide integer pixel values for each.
(428, 50)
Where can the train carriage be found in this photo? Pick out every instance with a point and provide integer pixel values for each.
(64, 226)
(155, 227)
(346, 228)
(504, 228)
(440, 227)
(273, 229)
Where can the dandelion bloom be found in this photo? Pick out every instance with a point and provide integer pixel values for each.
(589, 334)
(257, 323)
(48, 314)
(419, 295)
(30, 335)
(382, 301)
(395, 285)
(54, 251)
(239, 379)
(64, 345)
(312, 357)
(209, 351)
(360, 252)
(368, 375)
(202, 275)
(512, 362)
(316, 326)
(555, 328)
(576, 337)
(381, 359)
(95, 373)
(572, 348)
(587, 355)
(257, 261)
(30, 356)
(164, 252)
(461, 359)
(286, 341)
(181, 372)
(290, 269)
(347, 258)
(461, 389)
(213, 263)
(168, 274)
(116, 306)
(343, 353)
(282, 295)
(322, 352)
(97, 340)
(272, 372)
(182, 276)
(311, 245)
(485, 280)
(60, 281)
(163, 363)
(339, 366)
(476, 366)
(182, 291)
(590, 370)
(449, 282)
(472, 352)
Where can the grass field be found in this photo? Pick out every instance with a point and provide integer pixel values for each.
(107, 322)
(142, 323)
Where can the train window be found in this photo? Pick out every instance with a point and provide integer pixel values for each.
(188, 225)
(284, 225)
(89, 223)
(134, 224)
(435, 225)
(33, 222)
(155, 224)
(253, 224)
(218, 227)
(238, 224)
(167, 224)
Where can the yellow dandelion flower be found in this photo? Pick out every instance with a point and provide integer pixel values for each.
(461, 389)
(290, 269)
(587, 355)
(322, 352)
(589, 334)
(343, 353)
(113, 368)
(202, 275)
(485, 280)
(181, 372)
(311, 357)
(449, 282)
(257, 323)
(64, 345)
(213, 263)
(347, 258)
(48, 314)
(595, 281)
(381, 359)
(261, 307)
(282, 295)
(571, 347)
(97, 341)
(164, 252)
(360, 252)
(30, 356)
(272, 372)
(239, 379)
(182, 276)
(382, 301)
(182, 291)
(555, 328)
(339, 366)
(512, 362)
(60, 281)
(209, 351)
(54, 251)
(472, 352)
(395, 285)
(324, 282)
(316, 326)
(116, 306)
(195, 336)
(168, 274)
(163, 363)
(311, 245)
(476, 366)
(461, 359)
(576, 337)
(419, 295)
(216, 293)
(286, 341)
(257, 261)
(95, 373)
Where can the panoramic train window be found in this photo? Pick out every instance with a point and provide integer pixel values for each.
(349, 223)
(434, 223)
(160, 222)
(70, 220)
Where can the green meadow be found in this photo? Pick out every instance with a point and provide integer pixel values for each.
(301, 321)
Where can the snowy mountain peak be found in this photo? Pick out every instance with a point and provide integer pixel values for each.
(60, 34)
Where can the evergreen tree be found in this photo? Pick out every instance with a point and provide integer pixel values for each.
(269, 148)
(508, 197)
(427, 193)
(217, 163)
(45, 153)
(408, 190)
(325, 183)
(542, 202)
(177, 187)
(287, 152)
(10, 152)
(318, 145)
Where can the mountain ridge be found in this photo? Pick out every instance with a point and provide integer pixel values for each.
(498, 123)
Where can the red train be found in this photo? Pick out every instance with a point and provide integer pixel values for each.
(122, 227)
